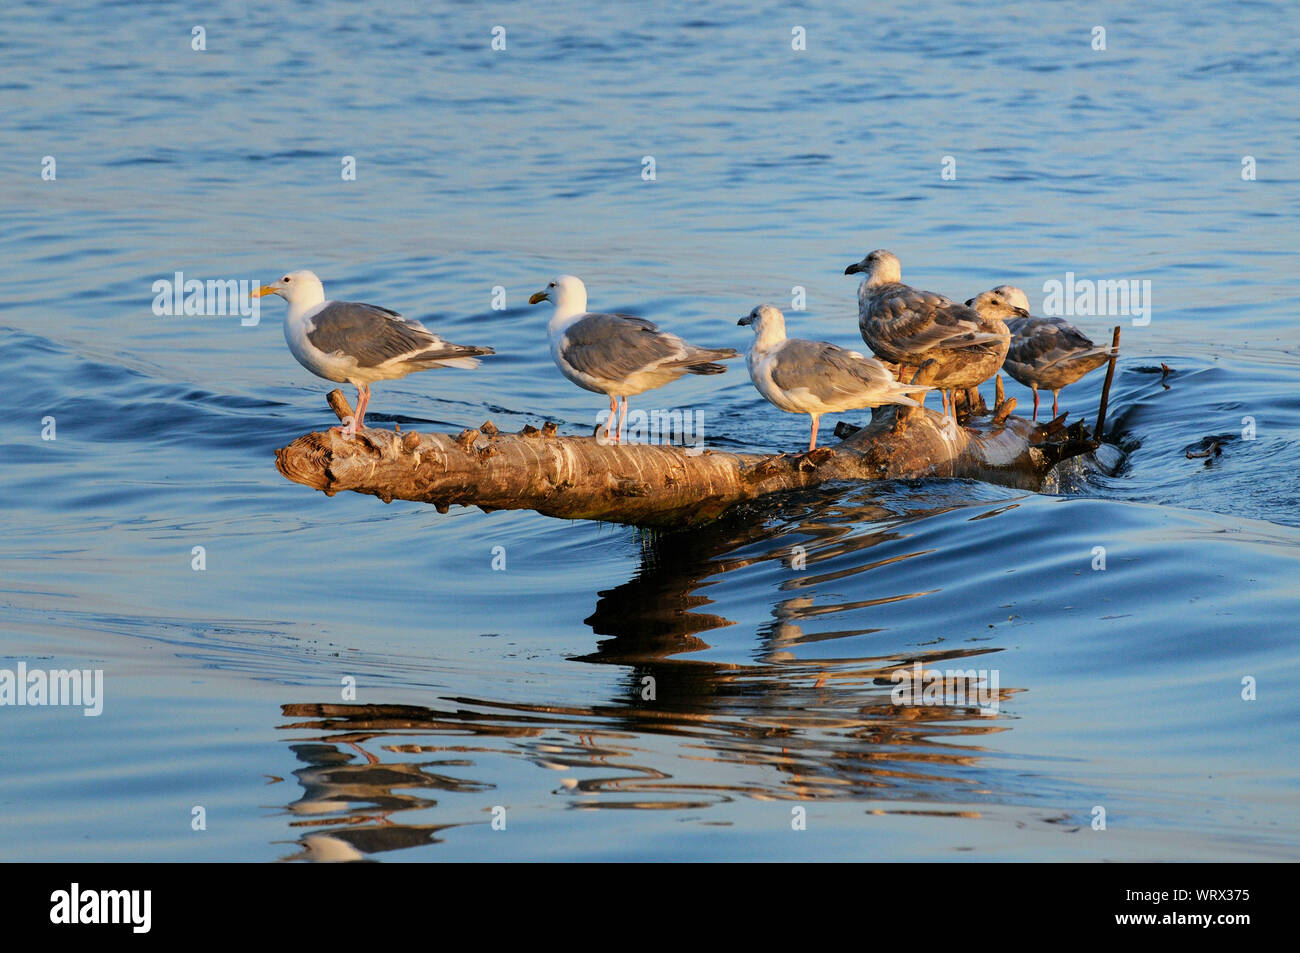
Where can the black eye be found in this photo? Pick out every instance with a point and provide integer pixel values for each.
(551, 285)
(287, 278)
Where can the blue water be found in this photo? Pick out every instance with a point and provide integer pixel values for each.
(522, 689)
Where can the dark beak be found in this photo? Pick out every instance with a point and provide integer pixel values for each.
(853, 269)
(539, 297)
(1021, 312)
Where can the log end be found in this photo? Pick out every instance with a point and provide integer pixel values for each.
(307, 461)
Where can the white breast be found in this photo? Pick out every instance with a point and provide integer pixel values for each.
(760, 363)
(296, 326)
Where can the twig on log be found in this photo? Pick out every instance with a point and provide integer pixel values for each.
(1003, 411)
(339, 404)
(1105, 388)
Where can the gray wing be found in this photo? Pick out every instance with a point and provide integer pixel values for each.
(910, 322)
(369, 334)
(828, 371)
(616, 346)
(1043, 342)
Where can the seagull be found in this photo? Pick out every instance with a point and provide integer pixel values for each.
(909, 327)
(617, 354)
(1045, 352)
(358, 343)
(814, 377)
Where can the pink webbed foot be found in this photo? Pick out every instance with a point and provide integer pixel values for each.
(358, 419)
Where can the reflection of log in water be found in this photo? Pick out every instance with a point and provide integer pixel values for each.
(781, 728)
(653, 619)
(828, 727)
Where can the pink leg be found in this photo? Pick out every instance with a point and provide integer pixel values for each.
(812, 444)
(1035, 403)
(622, 419)
(359, 414)
(612, 420)
(363, 402)
(1054, 396)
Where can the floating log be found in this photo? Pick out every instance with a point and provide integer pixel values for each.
(659, 485)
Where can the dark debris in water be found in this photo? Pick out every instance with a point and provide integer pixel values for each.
(1164, 370)
(1208, 447)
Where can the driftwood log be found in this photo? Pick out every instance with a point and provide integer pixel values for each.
(654, 485)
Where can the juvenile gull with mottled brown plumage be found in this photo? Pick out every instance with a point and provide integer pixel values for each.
(909, 327)
(617, 354)
(358, 343)
(1044, 352)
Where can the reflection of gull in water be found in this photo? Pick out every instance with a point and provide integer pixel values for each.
(813, 377)
(909, 327)
(1044, 352)
(356, 802)
(324, 849)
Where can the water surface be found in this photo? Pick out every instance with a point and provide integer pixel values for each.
(526, 688)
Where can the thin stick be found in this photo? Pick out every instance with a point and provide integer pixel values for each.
(1105, 388)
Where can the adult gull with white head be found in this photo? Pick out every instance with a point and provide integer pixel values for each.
(814, 377)
(358, 343)
(617, 354)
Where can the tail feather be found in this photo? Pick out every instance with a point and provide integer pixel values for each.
(701, 360)
(706, 368)
(900, 400)
(898, 395)
(1103, 352)
(451, 356)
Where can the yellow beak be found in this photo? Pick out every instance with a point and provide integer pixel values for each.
(539, 297)
(263, 291)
